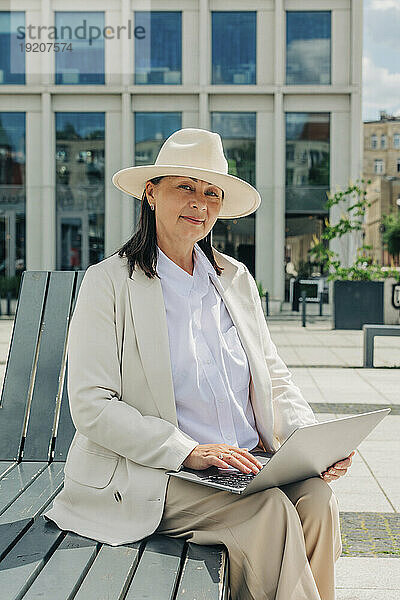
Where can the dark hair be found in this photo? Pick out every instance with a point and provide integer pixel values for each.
(141, 247)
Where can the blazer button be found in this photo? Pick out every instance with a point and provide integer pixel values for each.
(117, 496)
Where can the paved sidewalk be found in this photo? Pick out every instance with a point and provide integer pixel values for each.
(325, 364)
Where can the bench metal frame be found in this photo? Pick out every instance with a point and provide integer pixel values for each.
(37, 559)
(370, 332)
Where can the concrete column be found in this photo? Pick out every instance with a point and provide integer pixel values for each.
(204, 63)
(48, 195)
(264, 237)
(127, 160)
(126, 45)
(33, 205)
(114, 199)
(278, 288)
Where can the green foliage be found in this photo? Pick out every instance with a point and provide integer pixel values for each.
(10, 284)
(364, 267)
(391, 235)
(260, 288)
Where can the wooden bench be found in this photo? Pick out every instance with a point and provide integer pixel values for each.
(370, 331)
(37, 559)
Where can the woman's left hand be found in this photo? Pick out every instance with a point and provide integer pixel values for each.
(338, 469)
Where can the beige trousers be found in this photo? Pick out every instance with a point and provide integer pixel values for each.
(282, 542)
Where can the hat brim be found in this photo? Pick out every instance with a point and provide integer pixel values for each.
(240, 197)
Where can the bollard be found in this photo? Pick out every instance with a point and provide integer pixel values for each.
(267, 303)
(8, 303)
(303, 308)
(320, 304)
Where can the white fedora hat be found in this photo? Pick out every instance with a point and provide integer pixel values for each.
(196, 153)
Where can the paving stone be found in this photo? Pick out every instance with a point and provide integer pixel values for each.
(367, 573)
(370, 534)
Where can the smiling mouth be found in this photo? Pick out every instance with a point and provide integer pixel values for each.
(192, 220)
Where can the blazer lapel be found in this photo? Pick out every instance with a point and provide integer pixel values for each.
(149, 317)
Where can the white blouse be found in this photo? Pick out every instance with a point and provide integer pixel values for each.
(210, 370)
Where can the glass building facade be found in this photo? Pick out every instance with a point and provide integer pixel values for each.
(158, 47)
(12, 193)
(307, 185)
(215, 66)
(12, 57)
(236, 237)
(84, 63)
(79, 189)
(234, 37)
(151, 131)
(308, 47)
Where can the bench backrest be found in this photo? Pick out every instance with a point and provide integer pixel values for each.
(32, 426)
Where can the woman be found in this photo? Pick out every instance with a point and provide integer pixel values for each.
(170, 363)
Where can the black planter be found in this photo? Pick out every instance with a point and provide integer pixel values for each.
(356, 303)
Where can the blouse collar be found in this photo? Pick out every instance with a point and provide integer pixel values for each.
(181, 281)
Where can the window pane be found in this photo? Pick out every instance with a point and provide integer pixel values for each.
(12, 58)
(233, 47)
(299, 232)
(158, 47)
(238, 132)
(85, 62)
(307, 161)
(151, 131)
(308, 47)
(12, 193)
(79, 189)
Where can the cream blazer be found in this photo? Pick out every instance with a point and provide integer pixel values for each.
(121, 398)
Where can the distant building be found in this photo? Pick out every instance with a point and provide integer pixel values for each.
(382, 146)
(384, 195)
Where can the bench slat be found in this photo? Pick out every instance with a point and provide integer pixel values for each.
(203, 576)
(36, 496)
(66, 428)
(110, 574)
(65, 570)
(49, 366)
(26, 559)
(158, 569)
(5, 465)
(9, 533)
(20, 362)
(17, 480)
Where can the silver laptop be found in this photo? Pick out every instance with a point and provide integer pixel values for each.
(307, 452)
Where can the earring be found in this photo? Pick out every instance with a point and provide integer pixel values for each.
(152, 206)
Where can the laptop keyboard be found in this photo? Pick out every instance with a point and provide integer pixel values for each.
(235, 480)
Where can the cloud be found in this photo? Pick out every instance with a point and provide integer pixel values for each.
(384, 4)
(309, 58)
(382, 27)
(381, 89)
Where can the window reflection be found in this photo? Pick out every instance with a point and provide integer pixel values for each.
(83, 64)
(307, 161)
(12, 59)
(158, 47)
(233, 47)
(12, 193)
(151, 131)
(79, 189)
(308, 47)
(236, 237)
(299, 232)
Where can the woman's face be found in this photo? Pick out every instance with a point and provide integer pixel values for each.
(176, 197)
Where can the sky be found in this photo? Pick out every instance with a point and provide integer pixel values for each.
(381, 58)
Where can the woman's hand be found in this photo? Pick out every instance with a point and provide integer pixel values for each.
(338, 469)
(206, 455)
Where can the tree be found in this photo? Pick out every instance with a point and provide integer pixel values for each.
(364, 267)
